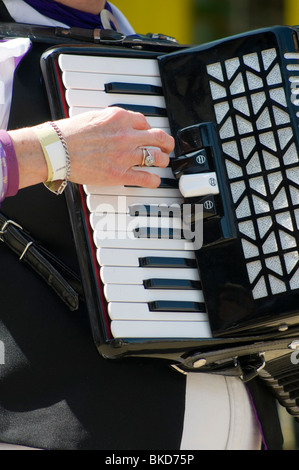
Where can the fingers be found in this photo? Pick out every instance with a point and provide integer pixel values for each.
(148, 156)
(156, 138)
(142, 179)
(146, 178)
(159, 144)
(139, 121)
(147, 136)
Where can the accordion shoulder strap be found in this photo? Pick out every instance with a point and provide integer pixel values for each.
(65, 283)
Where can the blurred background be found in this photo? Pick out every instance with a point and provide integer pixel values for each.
(201, 21)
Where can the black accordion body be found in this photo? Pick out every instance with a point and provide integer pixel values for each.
(230, 305)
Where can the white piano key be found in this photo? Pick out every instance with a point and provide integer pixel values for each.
(138, 191)
(157, 122)
(124, 222)
(119, 275)
(110, 65)
(167, 329)
(199, 184)
(121, 240)
(97, 81)
(122, 204)
(136, 293)
(77, 110)
(130, 258)
(95, 99)
(162, 172)
(140, 311)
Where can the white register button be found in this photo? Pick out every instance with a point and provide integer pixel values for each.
(199, 184)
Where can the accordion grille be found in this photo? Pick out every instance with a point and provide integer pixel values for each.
(262, 164)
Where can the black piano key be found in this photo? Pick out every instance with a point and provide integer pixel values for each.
(164, 262)
(172, 284)
(168, 183)
(152, 111)
(158, 233)
(176, 306)
(161, 210)
(165, 184)
(133, 89)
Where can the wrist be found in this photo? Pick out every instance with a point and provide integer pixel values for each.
(9, 166)
(30, 158)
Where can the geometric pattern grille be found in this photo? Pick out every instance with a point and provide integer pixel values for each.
(262, 164)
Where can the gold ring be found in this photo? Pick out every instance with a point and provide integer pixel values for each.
(143, 156)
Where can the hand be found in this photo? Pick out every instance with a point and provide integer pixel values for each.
(104, 146)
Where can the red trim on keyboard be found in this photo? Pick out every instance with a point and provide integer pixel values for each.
(95, 262)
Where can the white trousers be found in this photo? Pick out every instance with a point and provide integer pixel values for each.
(218, 416)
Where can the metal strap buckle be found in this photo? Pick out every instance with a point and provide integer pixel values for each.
(3, 230)
(25, 249)
(5, 225)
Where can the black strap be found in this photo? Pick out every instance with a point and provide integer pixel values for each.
(58, 276)
(265, 405)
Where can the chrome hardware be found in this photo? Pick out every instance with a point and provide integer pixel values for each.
(294, 344)
(5, 225)
(25, 250)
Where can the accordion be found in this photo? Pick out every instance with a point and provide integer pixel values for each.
(224, 299)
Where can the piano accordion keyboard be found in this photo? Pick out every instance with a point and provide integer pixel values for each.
(151, 285)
